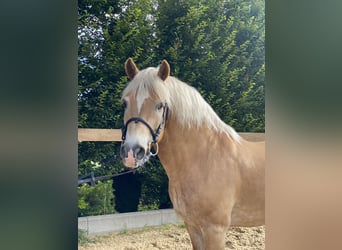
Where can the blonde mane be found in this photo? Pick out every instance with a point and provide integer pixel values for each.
(185, 103)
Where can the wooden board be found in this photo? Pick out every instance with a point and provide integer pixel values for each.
(253, 136)
(94, 134)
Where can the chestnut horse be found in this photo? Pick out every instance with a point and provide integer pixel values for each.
(216, 178)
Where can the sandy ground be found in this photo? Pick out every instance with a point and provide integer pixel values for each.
(172, 237)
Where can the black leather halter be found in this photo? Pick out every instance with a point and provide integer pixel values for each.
(155, 134)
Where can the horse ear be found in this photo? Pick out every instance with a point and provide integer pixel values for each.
(164, 70)
(130, 68)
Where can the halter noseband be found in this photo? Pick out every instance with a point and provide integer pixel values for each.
(155, 134)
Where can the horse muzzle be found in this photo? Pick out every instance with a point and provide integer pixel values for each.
(132, 153)
(132, 156)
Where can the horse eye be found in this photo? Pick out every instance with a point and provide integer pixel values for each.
(160, 106)
(124, 104)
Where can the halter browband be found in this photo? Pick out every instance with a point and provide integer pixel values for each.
(155, 134)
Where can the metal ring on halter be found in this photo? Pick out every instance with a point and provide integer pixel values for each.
(157, 149)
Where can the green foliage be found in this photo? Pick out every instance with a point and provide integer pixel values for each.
(96, 200)
(154, 187)
(82, 237)
(217, 46)
(99, 157)
(152, 206)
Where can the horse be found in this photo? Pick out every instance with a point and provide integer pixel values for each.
(216, 178)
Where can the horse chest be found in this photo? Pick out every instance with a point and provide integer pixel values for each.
(185, 202)
(178, 198)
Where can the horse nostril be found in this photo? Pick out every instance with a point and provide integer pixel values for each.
(139, 152)
(123, 152)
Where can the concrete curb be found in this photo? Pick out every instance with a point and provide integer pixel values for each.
(125, 221)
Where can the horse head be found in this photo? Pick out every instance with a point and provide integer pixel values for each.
(145, 112)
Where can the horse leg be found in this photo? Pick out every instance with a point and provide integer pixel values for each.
(214, 237)
(195, 237)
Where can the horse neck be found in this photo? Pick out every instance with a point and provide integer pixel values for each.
(182, 148)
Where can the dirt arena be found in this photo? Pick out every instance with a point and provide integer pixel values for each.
(172, 236)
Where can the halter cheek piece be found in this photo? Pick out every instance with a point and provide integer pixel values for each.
(155, 134)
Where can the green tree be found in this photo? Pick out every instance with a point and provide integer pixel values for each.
(109, 32)
(218, 47)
